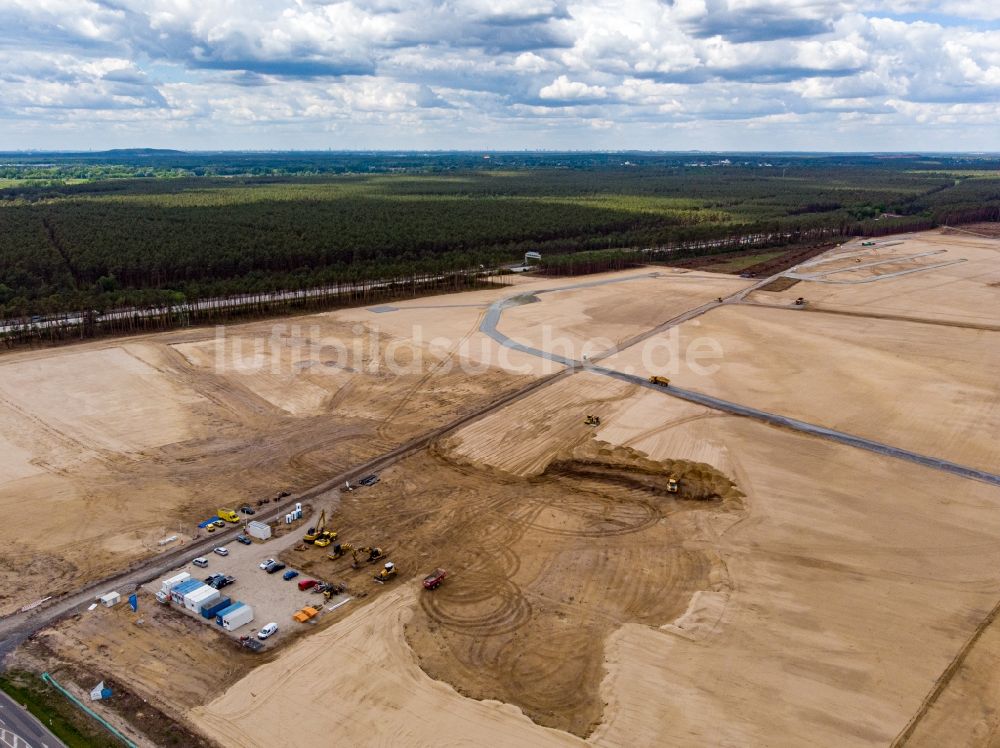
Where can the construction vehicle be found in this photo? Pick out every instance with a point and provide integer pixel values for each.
(387, 573)
(592, 420)
(433, 580)
(339, 550)
(328, 589)
(327, 537)
(662, 381)
(229, 515)
(672, 484)
(319, 535)
(367, 553)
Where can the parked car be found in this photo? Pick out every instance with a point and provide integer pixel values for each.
(306, 584)
(275, 567)
(211, 527)
(248, 510)
(266, 562)
(369, 480)
(201, 561)
(269, 630)
(222, 581)
(221, 550)
(290, 574)
(244, 540)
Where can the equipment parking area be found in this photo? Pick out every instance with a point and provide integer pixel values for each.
(273, 598)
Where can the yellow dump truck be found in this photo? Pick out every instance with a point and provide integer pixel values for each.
(662, 381)
(229, 515)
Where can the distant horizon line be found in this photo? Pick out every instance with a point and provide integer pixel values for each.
(503, 151)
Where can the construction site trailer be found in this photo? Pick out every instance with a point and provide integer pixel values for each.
(177, 593)
(220, 615)
(110, 599)
(194, 601)
(169, 584)
(209, 611)
(259, 530)
(191, 593)
(236, 618)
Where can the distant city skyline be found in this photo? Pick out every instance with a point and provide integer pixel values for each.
(493, 75)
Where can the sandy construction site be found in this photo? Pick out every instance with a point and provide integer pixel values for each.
(833, 590)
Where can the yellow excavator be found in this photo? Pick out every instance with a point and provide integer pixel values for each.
(673, 484)
(339, 550)
(327, 537)
(319, 535)
(373, 555)
(662, 381)
(359, 554)
(592, 420)
(386, 573)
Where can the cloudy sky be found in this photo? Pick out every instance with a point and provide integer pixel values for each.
(494, 74)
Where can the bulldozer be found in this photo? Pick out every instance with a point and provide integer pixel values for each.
(662, 381)
(673, 484)
(592, 420)
(387, 573)
(319, 532)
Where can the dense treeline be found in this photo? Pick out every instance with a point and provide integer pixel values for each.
(115, 244)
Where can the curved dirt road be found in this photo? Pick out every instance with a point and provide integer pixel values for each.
(489, 323)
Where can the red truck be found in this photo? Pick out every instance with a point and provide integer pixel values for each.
(433, 580)
(305, 584)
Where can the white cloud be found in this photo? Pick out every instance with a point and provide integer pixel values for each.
(563, 89)
(503, 66)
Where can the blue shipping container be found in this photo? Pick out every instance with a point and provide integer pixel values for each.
(209, 611)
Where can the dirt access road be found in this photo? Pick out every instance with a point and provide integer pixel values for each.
(493, 317)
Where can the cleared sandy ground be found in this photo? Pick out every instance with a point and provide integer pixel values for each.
(108, 447)
(965, 292)
(855, 580)
(580, 322)
(797, 591)
(916, 386)
(361, 677)
(845, 586)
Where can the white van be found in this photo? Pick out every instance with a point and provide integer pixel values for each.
(269, 630)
